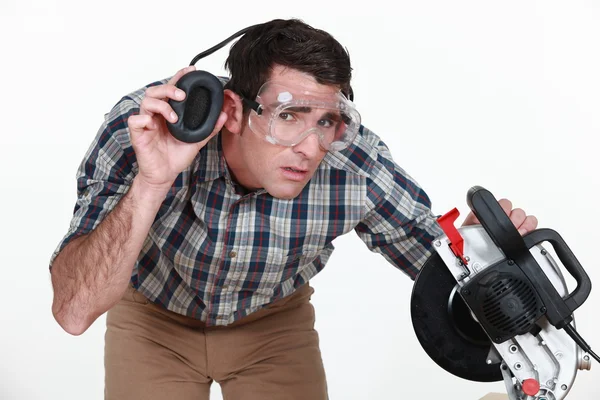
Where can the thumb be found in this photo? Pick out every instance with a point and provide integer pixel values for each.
(138, 124)
(220, 122)
(218, 126)
(471, 219)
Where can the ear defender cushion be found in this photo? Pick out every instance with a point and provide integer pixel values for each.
(198, 112)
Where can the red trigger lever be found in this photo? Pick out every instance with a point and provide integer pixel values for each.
(457, 242)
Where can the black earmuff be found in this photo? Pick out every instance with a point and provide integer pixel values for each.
(198, 112)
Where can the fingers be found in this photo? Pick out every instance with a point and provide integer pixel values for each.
(156, 99)
(523, 222)
(180, 73)
(529, 224)
(165, 92)
(138, 124)
(517, 216)
(506, 205)
(151, 106)
(472, 219)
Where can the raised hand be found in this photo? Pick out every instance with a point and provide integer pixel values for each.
(160, 156)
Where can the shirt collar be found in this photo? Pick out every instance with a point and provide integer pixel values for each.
(210, 163)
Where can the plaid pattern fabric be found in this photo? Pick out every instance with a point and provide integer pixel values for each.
(217, 255)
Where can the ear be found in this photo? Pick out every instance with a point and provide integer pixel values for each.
(232, 106)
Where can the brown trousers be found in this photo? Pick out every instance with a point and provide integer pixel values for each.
(152, 353)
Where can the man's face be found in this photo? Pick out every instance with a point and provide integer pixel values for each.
(282, 171)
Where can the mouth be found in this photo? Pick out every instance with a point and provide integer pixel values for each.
(292, 169)
(294, 174)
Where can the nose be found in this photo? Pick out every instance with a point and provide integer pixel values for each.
(310, 147)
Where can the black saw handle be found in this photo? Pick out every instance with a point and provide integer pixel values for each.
(516, 247)
(566, 256)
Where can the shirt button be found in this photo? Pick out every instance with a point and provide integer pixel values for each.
(232, 253)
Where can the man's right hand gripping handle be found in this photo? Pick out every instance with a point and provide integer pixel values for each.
(91, 273)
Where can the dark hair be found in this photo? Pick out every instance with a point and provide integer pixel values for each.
(289, 43)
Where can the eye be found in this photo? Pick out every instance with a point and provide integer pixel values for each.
(286, 116)
(326, 123)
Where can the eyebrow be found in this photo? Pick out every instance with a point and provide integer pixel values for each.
(333, 116)
(301, 109)
(304, 109)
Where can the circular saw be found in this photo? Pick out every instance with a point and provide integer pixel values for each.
(490, 304)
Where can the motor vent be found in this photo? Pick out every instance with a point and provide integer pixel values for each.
(510, 305)
(503, 301)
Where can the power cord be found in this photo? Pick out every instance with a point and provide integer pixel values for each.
(579, 340)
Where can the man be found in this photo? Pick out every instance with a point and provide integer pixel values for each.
(201, 253)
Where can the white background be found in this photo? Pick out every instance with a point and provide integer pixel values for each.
(499, 94)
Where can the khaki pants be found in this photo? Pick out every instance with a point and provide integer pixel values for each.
(152, 353)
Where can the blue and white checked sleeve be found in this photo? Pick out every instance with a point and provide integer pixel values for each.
(103, 176)
(398, 223)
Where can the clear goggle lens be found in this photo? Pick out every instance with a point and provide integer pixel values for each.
(286, 117)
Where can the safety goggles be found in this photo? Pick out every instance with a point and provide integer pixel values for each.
(286, 116)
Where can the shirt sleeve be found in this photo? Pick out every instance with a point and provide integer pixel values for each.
(104, 175)
(398, 222)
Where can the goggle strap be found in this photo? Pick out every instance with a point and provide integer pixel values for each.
(253, 105)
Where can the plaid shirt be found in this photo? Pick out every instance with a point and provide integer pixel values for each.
(217, 255)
